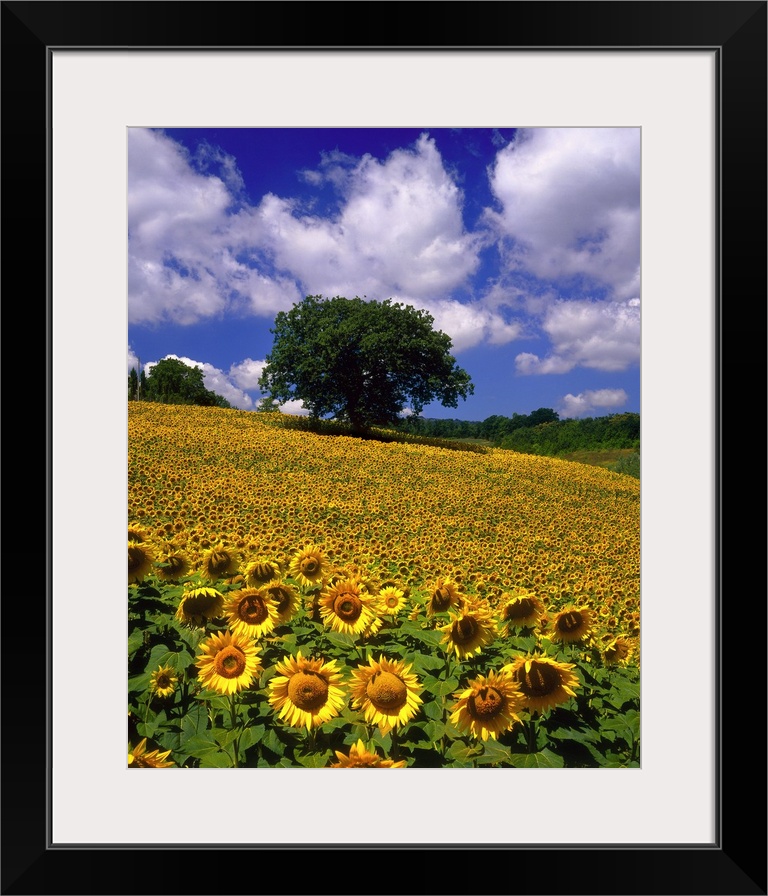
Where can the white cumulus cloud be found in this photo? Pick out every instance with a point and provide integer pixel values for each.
(592, 402)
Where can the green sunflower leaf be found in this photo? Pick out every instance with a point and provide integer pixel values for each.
(460, 752)
(433, 709)
(543, 759)
(434, 730)
(200, 744)
(216, 760)
(493, 751)
(314, 760)
(341, 639)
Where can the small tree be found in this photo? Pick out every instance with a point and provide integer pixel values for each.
(171, 381)
(133, 385)
(361, 361)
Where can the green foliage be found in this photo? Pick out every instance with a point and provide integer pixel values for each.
(629, 465)
(559, 437)
(361, 361)
(133, 385)
(171, 381)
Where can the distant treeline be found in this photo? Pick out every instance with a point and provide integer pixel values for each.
(541, 432)
(171, 381)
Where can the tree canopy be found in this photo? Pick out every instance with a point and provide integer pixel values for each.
(361, 360)
(171, 381)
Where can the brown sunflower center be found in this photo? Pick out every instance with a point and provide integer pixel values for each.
(387, 692)
(201, 605)
(136, 557)
(540, 681)
(308, 690)
(348, 606)
(163, 680)
(309, 566)
(252, 609)
(229, 662)
(219, 562)
(441, 599)
(519, 609)
(280, 596)
(570, 622)
(485, 703)
(391, 600)
(464, 629)
(263, 572)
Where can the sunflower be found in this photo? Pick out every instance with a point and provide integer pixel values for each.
(572, 624)
(488, 707)
(136, 532)
(284, 598)
(521, 610)
(163, 681)
(250, 612)
(138, 757)
(172, 565)
(219, 562)
(469, 630)
(390, 601)
(229, 662)
(360, 757)
(198, 605)
(141, 557)
(387, 692)
(307, 692)
(260, 572)
(444, 595)
(346, 607)
(309, 566)
(618, 651)
(544, 683)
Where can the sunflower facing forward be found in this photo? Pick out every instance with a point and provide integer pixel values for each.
(572, 624)
(229, 662)
(307, 692)
(163, 681)
(285, 599)
(250, 612)
(360, 757)
(489, 706)
(520, 610)
(469, 630)
(544, 683)
(347, 608)
(390, 600)
(219, 562)
(309, 566)
(387, 692)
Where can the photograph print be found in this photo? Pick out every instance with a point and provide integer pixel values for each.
(384, 447)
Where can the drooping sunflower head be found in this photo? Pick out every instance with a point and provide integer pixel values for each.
(470, 629)
(198, 605)
(219, 562)
(250, 611)
(307, 692)
(444, 596)
(519, 610)
(140, 757)
(136, 532)
(309, 566)
(572, 624)
(285, 599)
(360, 756)
(229, 662)
(261, 571)
(390, 601)
(387, 692)
(163, 681)
(488, 706)
(618, 651)
(172, 565)
(346, 607)
(141, 558)
(544, 683)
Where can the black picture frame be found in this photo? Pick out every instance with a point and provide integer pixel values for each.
(736, 863)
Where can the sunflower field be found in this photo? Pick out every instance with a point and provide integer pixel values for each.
(298, 599)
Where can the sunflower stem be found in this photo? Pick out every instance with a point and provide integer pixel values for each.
(531, 735)
(233, 722)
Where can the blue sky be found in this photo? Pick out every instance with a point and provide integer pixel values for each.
(523, 244)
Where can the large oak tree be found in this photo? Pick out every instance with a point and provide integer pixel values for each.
(361, 360)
